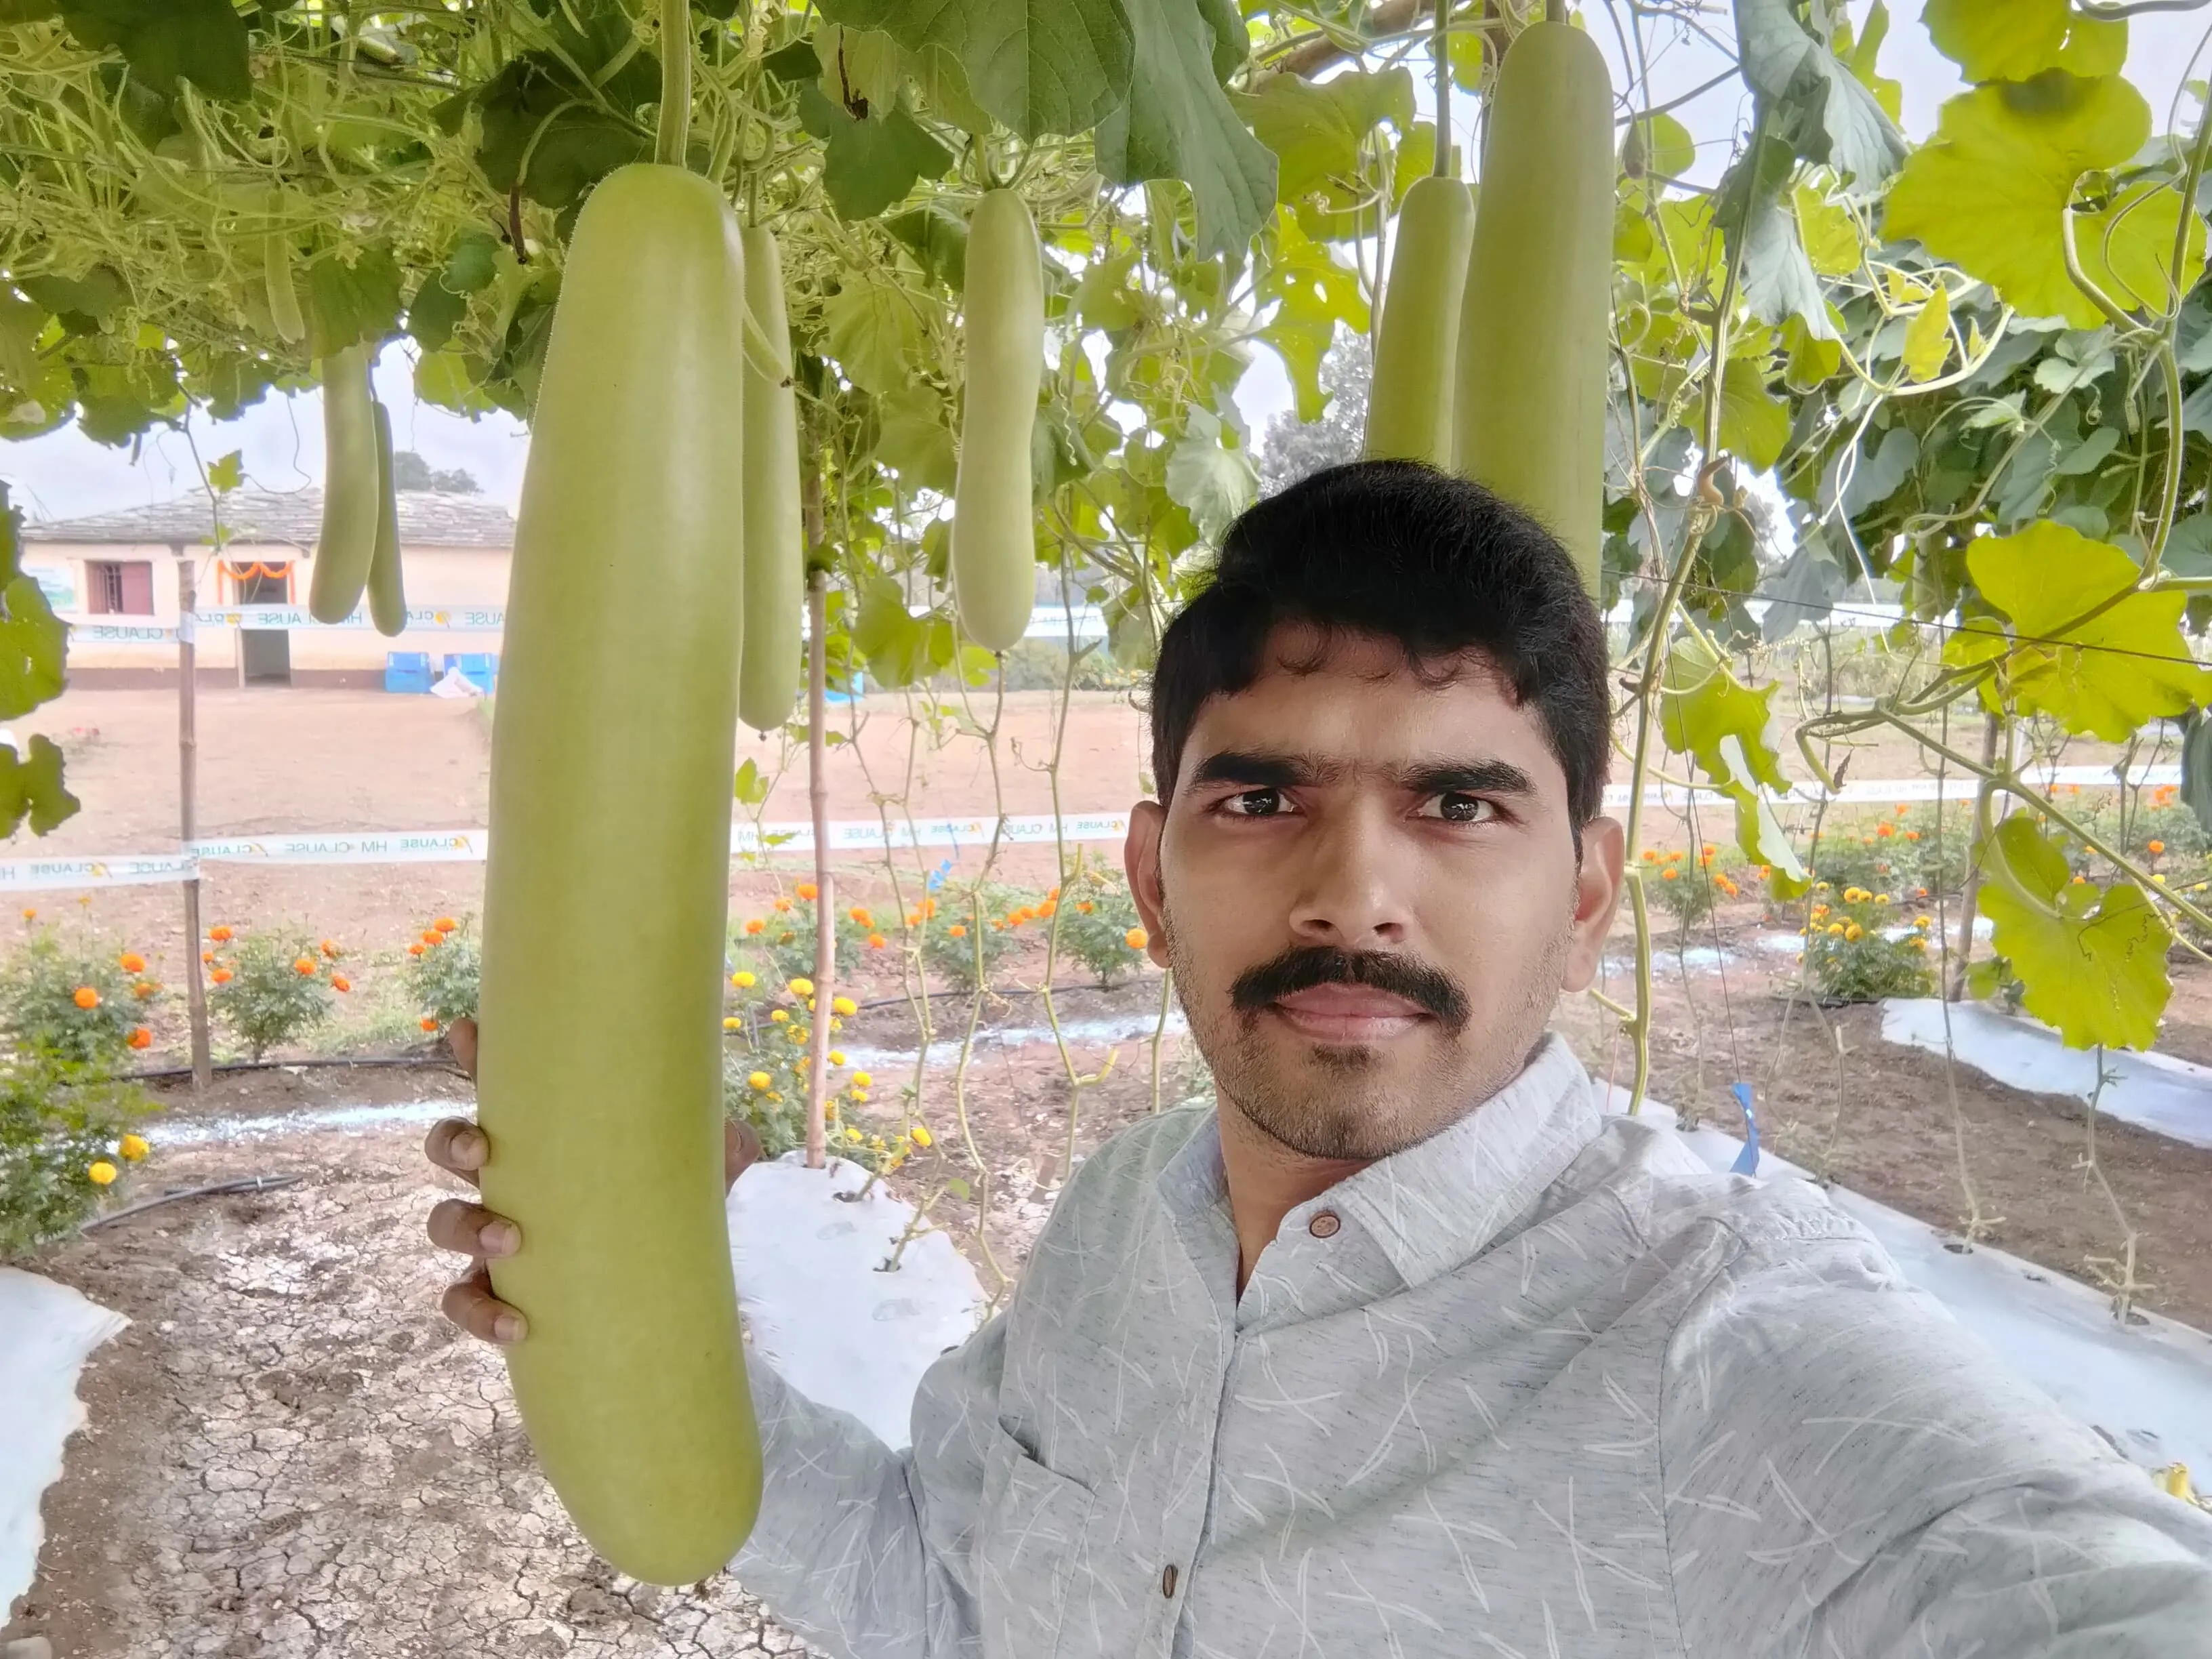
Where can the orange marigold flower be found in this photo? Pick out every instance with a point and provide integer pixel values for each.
(756, 925)
(144, 988)
(220, 935)
(929, 906)
(807, 890)
(1049, 907)
(1669, 873)
(957, 930)
(1650, 857)
(303, 966)
(876, 941)
(1136, 938)
(207, 956)
(428, 1024)
(30, 913)
(1084, 905)
(416, 949)
(330, 947)
(859, 914)
(340, 982)
(433, 937)
(86, 997)
(133, 963)
(220, 977)
(783, 905)
(2155, 848)
(445, 924)
(1884, 830)
(1912, 835)
(140, 1037)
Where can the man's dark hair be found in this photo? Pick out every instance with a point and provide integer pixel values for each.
(1403, 552)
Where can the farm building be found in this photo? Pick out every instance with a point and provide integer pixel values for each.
(114, 570)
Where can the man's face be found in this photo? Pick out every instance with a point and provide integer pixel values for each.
(1366, 887)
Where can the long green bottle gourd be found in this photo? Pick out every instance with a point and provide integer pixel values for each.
(348, 541)
(284, 302)
(1409, 402)
(776, 539)
(994, 517)
(1530, 416)
(600, 1070)
(387, 595)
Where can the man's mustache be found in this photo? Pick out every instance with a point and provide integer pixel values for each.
(1304, 966)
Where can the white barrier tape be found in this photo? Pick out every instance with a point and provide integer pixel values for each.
(1047, 623)
(846, 834)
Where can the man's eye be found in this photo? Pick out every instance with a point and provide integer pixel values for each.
(1254, 803)
(1455, 808)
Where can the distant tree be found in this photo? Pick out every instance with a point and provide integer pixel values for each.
(1293, 448)
(411, 471)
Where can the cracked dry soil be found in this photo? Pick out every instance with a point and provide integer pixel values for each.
(290, 1453)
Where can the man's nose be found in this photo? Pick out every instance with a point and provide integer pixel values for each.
(1347, 893)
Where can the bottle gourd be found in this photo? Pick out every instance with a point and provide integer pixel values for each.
(776, 539)
(351, 475)
(1409, 402)
(599, 1078)
(994, 515)
(1530, 410)
(387, 595)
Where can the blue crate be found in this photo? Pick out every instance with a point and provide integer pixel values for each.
(407, 670)
(836, 699)
(479, 668)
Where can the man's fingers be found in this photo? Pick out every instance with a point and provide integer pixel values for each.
(458, 1224)
(471, 1305)
(457, 1146)
(461, 1038)
(741, 1150)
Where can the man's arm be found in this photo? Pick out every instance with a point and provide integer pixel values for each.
(864, 1551)
(1849, 1472)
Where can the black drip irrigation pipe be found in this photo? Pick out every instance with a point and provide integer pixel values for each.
(249, 1184)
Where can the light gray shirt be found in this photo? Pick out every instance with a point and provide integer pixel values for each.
(1542, 1386)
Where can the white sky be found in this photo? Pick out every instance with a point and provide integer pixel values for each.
(64, 474)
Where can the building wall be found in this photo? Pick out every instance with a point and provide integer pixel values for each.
(437, 578)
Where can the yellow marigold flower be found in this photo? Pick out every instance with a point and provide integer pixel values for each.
(1854, 934)
(859, 1093)
(742, 979)
(852, 1134)
(779, 1015)
(1881, 898)
(843, 1005)
(759, 1079)
(921, 1137)
(836, 1056)
(102, 1173)
(861, 1079)
(1835, 930)
(133, 1147)
(801, 987)
(732, 1022)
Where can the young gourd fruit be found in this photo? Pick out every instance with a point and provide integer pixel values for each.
(1530, 414)
(993, 519)
(387, 596)
(352, 492)
(600, 1081)
(284, 302)
(1409, 402)
(775, 537)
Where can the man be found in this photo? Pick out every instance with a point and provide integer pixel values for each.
(1401, 1348)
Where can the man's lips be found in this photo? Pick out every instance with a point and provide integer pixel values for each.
(1348, 1013)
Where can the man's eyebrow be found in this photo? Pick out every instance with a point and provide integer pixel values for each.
(1260, 769)
(1474, 777)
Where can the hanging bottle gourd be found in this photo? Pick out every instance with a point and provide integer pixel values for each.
(775, 537)
(387, 595)
(1409, 401)
(600, 1085)
(994, 515)
(1530, 414)
(351, 479)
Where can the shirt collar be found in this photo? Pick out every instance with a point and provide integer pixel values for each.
(1440, 1203)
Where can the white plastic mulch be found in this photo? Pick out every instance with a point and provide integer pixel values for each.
(823, 1311)
(47, 1330)
(2154, 1092)
(2146, 1386)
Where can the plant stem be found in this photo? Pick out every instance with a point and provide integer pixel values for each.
(672, 136)
(1440, 47)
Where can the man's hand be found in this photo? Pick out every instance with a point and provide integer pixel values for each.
(460, 1148)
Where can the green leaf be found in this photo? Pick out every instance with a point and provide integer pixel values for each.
(82, 303)
(913, 441)
(1722, 724)
(1317, 130)
(874, 333)
(1837, 119)
(1829, 233)
(901, 648)
(1862, 57)
(1177, 124)
(1990, 192)
(2127, 248)
(351, 304)
(33, 649)
(227, 474)
(749, 786)
(555, 134)
(1928, 339)
(2106, 676)
(2091, 960)
(869, 165)
(435, 313)
(203, 41)
(1754, 422)
(33, 789)
(1777, 276)
(1658, 146)
(1999, 40)
(1316, 295)
(1041, 66)
(939, 238)
(1213, 483)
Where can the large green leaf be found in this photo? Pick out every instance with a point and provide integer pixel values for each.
(553, 123)
(1039, 65)
(2091, 960)
(1999, 40)
(1707, 714)
(1317, 296)
(351, 302)
(32, 788)
(1754, 422)
(1211, 481)
(1178, 123)
(1928, 337)
(33, 649)
(1777, 275)
(2106, 676)
(1837, 118)
(203, 41)
(1991, 191)
(869, 165)
(1317, 130)
(875, 333)
(901, 648)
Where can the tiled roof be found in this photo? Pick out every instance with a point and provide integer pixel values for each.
(428, 518)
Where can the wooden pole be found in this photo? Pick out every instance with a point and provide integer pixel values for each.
(825, 902)
(187, 808)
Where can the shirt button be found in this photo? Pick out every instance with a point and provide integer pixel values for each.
(1168, 1582)
(1324, 1223)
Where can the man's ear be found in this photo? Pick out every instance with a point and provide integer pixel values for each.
(1597, 897)
(1140, 861)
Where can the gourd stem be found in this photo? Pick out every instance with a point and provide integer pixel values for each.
(1441, 49)
(1555, 11)
(673, 135)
